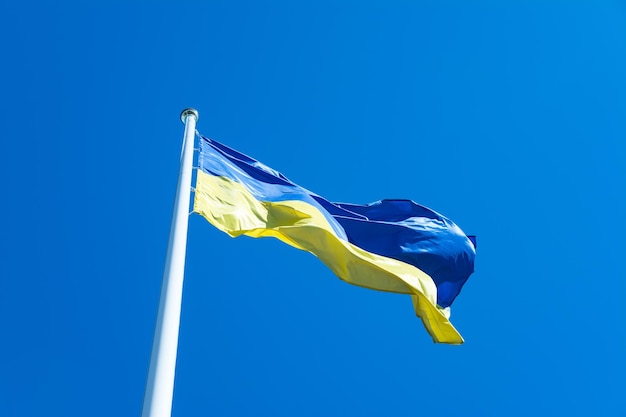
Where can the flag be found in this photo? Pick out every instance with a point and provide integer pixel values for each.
(389, 245)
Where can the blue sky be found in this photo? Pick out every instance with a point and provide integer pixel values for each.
(507, 117)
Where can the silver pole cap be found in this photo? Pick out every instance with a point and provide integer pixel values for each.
(189, 112)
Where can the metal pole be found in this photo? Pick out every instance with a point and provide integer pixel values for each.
(157, 401)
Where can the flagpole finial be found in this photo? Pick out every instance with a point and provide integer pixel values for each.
(189, 112)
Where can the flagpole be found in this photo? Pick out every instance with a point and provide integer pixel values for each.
(157, 401)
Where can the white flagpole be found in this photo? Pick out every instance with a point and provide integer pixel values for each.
(157, 401)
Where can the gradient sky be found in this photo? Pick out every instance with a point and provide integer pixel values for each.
(507, 117)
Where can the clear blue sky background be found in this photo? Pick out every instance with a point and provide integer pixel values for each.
(507, 117)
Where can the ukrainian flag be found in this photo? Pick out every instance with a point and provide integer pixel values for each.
(390, 245)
